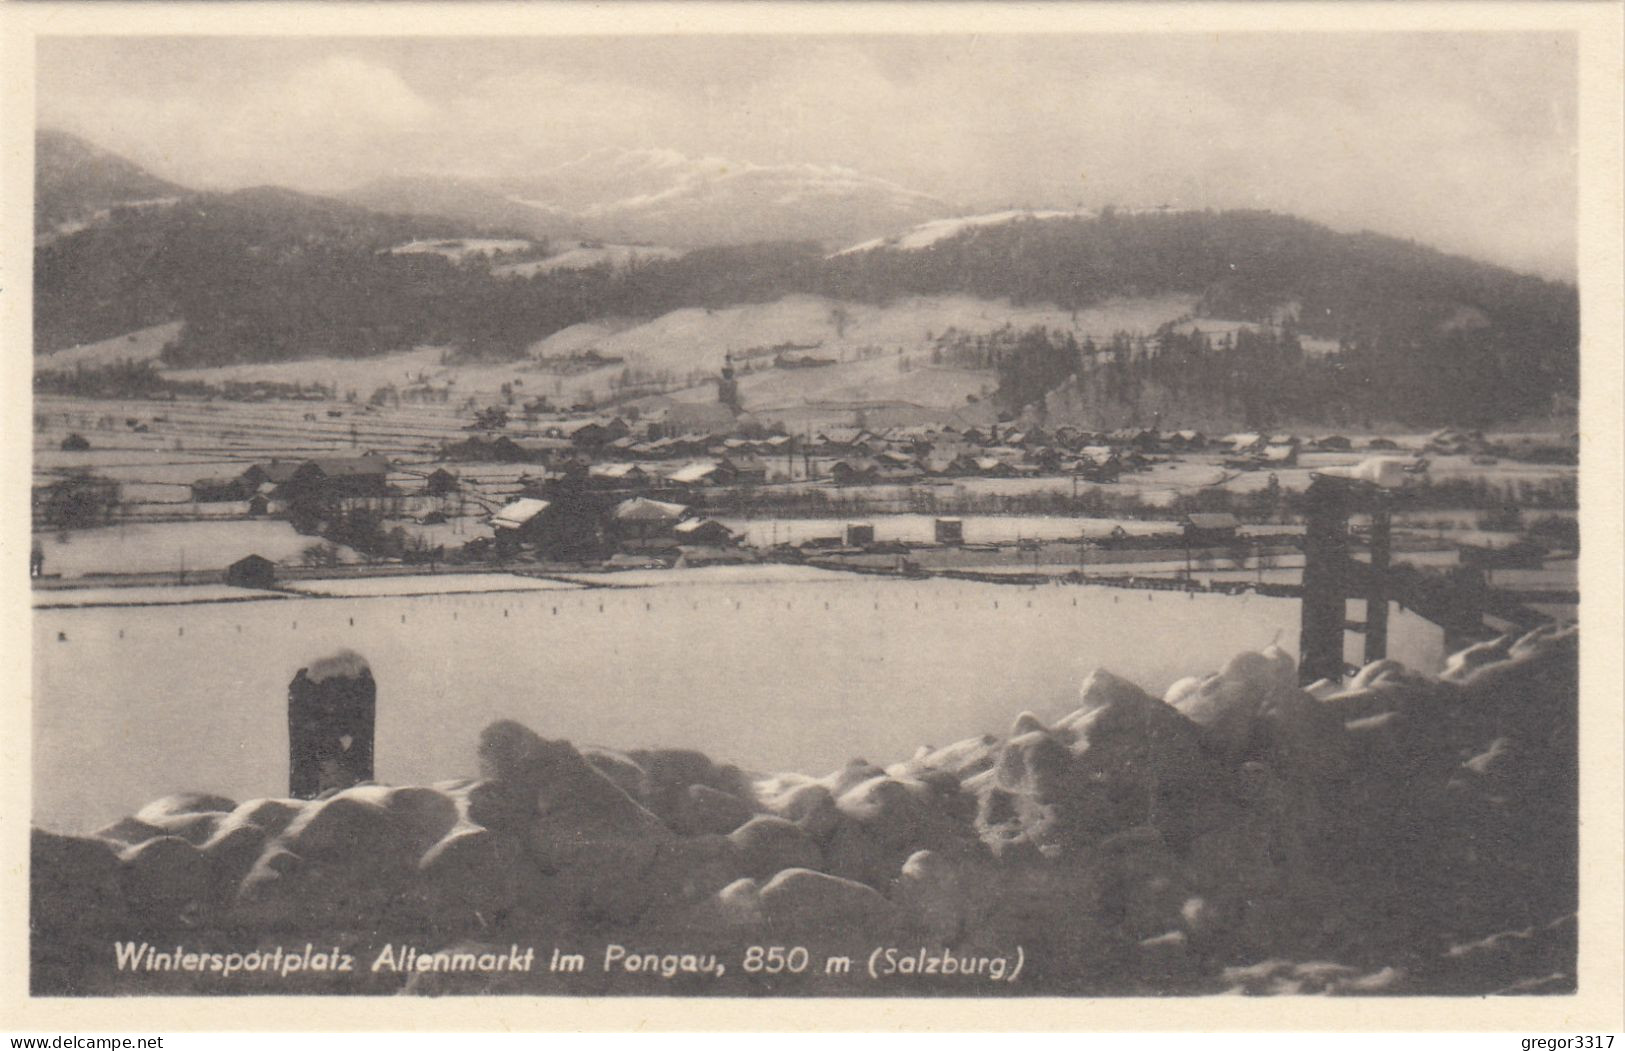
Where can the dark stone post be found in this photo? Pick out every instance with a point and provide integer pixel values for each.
(1325, 580)
(1376, 599)
(332, 707)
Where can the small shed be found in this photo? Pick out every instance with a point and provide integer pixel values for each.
(860, 533)
(251, 571)
(258, 505)
(950, 530)
(75, 443)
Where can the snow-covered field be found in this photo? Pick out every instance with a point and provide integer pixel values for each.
(147, 595)
(791, 676)
(696, 338)
(141, 345)
(171, 547)
(432, 584)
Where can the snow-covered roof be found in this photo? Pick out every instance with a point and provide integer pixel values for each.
(696, 525)
(516, 514)
(694, 472)
(642, 509)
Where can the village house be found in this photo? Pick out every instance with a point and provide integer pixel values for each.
(617, 476)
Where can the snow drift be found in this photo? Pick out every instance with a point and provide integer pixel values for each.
(1396, 834)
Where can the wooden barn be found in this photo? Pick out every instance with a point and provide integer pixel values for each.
(251, 571)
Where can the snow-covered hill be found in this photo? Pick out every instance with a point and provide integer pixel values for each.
(929, 233)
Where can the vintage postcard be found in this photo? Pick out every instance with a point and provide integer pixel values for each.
(754, 517)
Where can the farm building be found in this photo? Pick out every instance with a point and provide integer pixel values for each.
(704, 531)
(1186, 441)
(641, 520)
(949, 530)
(251, 571)
(617, 476)
(276, 472)
(696, 475)
(75, 443)
(519, 514)
(1210, 528)
(745, 471)
(341, 477)
(545, 525)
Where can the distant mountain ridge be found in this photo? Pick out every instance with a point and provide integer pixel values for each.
(665, 197)
(74, 180)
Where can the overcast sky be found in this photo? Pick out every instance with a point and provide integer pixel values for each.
(1463, 141)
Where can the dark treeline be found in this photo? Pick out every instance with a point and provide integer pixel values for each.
(1263, 378)
(268, 275)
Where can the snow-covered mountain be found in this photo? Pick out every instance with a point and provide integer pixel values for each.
(665, 197)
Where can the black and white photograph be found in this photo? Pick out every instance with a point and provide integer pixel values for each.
(723, 514)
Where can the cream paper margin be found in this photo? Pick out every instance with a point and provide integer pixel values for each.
(1596, 1008)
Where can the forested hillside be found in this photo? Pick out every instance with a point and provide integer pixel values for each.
(268, 274)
